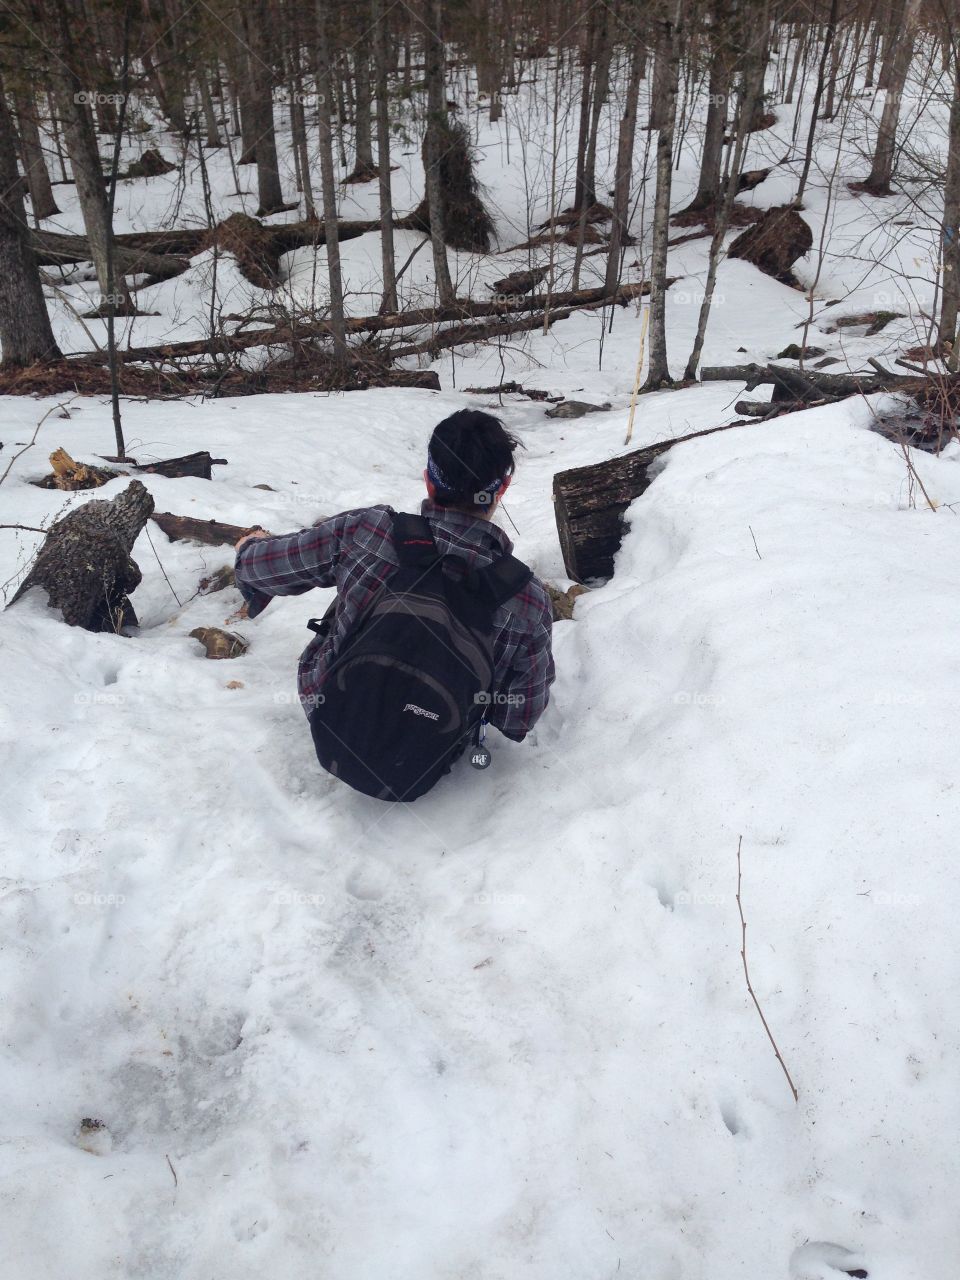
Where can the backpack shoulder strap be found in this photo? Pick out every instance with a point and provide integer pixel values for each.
(505, 578)
(413, 540)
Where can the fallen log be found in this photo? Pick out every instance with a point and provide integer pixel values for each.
(546, 310)
(85, 565)
(468, 333)
(510, 388)
(199, 465)
(53, 249)
(161, 255)
(277, 335)
(837, 385)
(212, 533)
(768, 408)
(589, 505)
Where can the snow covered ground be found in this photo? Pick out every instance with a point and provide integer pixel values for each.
(506, 1027)
(505, 1030)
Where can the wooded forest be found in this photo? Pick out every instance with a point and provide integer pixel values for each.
(307, 101)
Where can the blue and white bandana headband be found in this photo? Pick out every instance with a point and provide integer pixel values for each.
(438, 482)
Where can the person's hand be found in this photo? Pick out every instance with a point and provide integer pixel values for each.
(257, 533)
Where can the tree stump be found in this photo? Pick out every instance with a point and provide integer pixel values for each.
(85, 564)
(774, 243)
(590, 502)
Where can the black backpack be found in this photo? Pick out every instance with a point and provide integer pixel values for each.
(413, 677)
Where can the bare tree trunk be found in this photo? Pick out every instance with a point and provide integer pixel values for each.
(324, 89)
(891, 38)
(34, 164)
(209, 114)
(828, 39)
(895, 74)
(434, 142)
(802, 38)
(950, 239)
(81, 140)
(601, 84)
(658, 373)
(873, 50)
(269, 191)
(660, 88)
(625, 143)
(751, 100)
(836, 61)
(588, 189)
(583, 197)
(168, 97)
(298, 130)
(711, 157)
(380, 54)
(248, 115)
(364, 168)
(25, 332)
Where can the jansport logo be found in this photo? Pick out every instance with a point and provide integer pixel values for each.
(420, 711)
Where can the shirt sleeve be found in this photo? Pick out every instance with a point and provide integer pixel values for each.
(523, 696)
(291, 563)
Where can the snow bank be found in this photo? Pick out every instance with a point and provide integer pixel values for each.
(505, 1028)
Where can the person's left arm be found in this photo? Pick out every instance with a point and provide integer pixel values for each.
(523, 696)
(288, 564)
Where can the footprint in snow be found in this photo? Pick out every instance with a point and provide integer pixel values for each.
(731, 1118)
(248, 1225)
(365, 885)
(664, 896)
(821, 1260)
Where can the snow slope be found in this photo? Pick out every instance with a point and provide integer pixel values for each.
(505, 1029)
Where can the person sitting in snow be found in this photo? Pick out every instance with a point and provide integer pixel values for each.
(436, 629)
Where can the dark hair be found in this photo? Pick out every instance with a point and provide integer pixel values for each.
(470, 451)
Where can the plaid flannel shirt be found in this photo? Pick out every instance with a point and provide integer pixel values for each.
(354, 552)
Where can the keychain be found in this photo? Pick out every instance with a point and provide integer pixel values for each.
(480, 757)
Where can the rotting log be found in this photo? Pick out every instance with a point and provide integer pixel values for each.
(198, 465)
(828, 385)
(53, 249)
(85, 565)
(276, 335)
(590, 502)
(212, 533)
